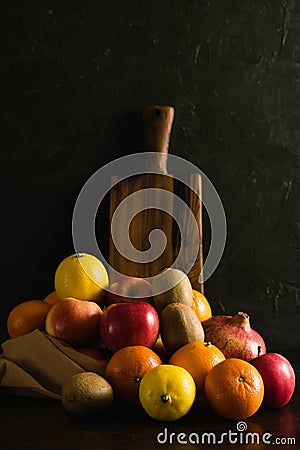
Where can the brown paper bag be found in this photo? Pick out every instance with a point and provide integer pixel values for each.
(37, 365)
(15, 380)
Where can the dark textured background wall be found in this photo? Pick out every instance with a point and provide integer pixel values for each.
(74, 78)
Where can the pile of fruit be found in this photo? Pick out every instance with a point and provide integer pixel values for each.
(164, 350)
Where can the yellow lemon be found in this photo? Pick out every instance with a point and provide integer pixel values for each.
(81, 276)
(167, 392)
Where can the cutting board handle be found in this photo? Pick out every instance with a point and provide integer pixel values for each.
(157, 126)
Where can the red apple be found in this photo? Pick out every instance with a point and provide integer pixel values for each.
(124, 324)
(279, 379)
(100, 345)
(98, 351)
(98, 354)
(129, 289)
(74, 321)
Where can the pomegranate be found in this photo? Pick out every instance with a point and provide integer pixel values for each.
(234, 336)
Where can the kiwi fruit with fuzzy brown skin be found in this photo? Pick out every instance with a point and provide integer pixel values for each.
(86, 394)
(179, 325)
(171, 286)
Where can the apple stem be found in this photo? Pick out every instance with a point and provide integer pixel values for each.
(258, 350)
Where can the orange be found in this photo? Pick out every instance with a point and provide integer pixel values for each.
(234, 389)
(198, 358)
(51, 298)
(126, 369)
(201, 306)
(26, 317)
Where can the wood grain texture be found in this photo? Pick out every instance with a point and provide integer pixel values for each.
(142, 224)
(191, 194)
(150, 219)
(157, 126)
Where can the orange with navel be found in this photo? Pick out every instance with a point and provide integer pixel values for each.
(234, 389)
(126, 369)
(198, 358)
(26, 317)
(201, 306)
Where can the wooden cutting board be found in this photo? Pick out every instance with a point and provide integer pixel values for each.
(157, 125)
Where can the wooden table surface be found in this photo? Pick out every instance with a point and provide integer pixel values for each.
(44, 424)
